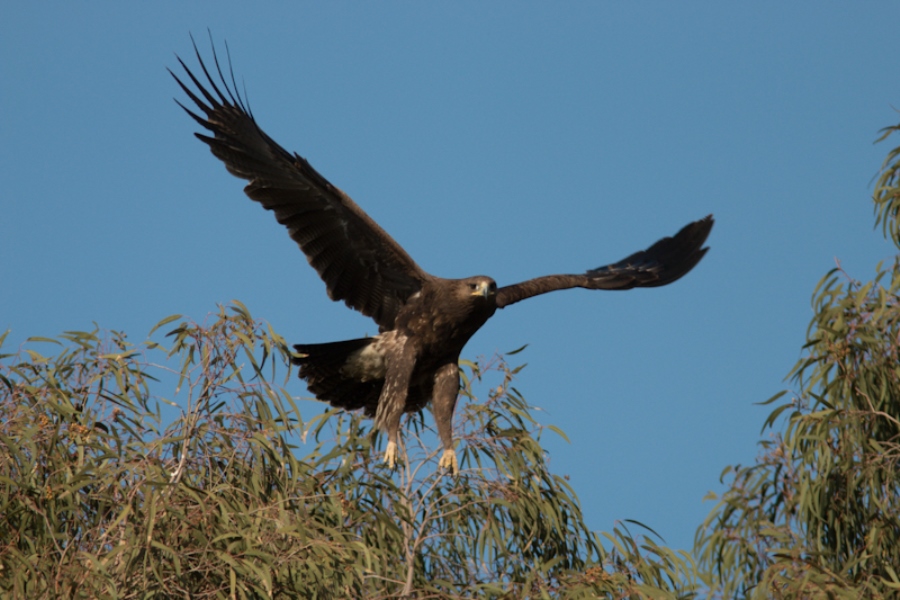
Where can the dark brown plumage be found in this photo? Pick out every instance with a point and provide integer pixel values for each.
(423, 321)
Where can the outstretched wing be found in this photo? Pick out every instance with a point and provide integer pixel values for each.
(662, 263)
(359, 262)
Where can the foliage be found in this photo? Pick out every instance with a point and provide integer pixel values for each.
(101, 498)
(887, 191)
(818, 515)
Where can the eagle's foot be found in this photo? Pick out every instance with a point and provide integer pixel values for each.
(390, 454)
(448, 461)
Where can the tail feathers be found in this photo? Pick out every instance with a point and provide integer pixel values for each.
(323, 368)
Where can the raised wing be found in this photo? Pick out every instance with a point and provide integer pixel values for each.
(662, 263)
(359, 262)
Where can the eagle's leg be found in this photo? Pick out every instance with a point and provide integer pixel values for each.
(392, 402)
(446, 389)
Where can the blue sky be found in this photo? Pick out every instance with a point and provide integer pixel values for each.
(507, 139)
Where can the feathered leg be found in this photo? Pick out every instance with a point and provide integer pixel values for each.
(400, 363)
(446, 389)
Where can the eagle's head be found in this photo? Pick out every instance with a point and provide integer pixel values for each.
(480, 287)
(474, 300)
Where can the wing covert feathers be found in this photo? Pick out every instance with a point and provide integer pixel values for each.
(358, 261)
(668, 260)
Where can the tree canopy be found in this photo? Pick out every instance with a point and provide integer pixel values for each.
(100, 498)
(818, 514)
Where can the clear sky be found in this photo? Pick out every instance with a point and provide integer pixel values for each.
(507, 139)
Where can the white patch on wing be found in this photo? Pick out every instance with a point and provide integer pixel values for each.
(365, 364)
(368, 363)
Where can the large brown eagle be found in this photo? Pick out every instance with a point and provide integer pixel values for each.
(423, 321)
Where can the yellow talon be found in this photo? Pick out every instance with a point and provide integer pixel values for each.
(448, 461)
(390, 454)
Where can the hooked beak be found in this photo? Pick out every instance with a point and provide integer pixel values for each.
(483, 289)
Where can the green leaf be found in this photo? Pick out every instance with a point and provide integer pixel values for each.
(165, 321)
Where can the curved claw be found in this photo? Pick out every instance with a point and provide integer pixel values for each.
(390, 454)
(448, 460)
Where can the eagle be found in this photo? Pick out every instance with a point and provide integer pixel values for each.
(424, 321)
